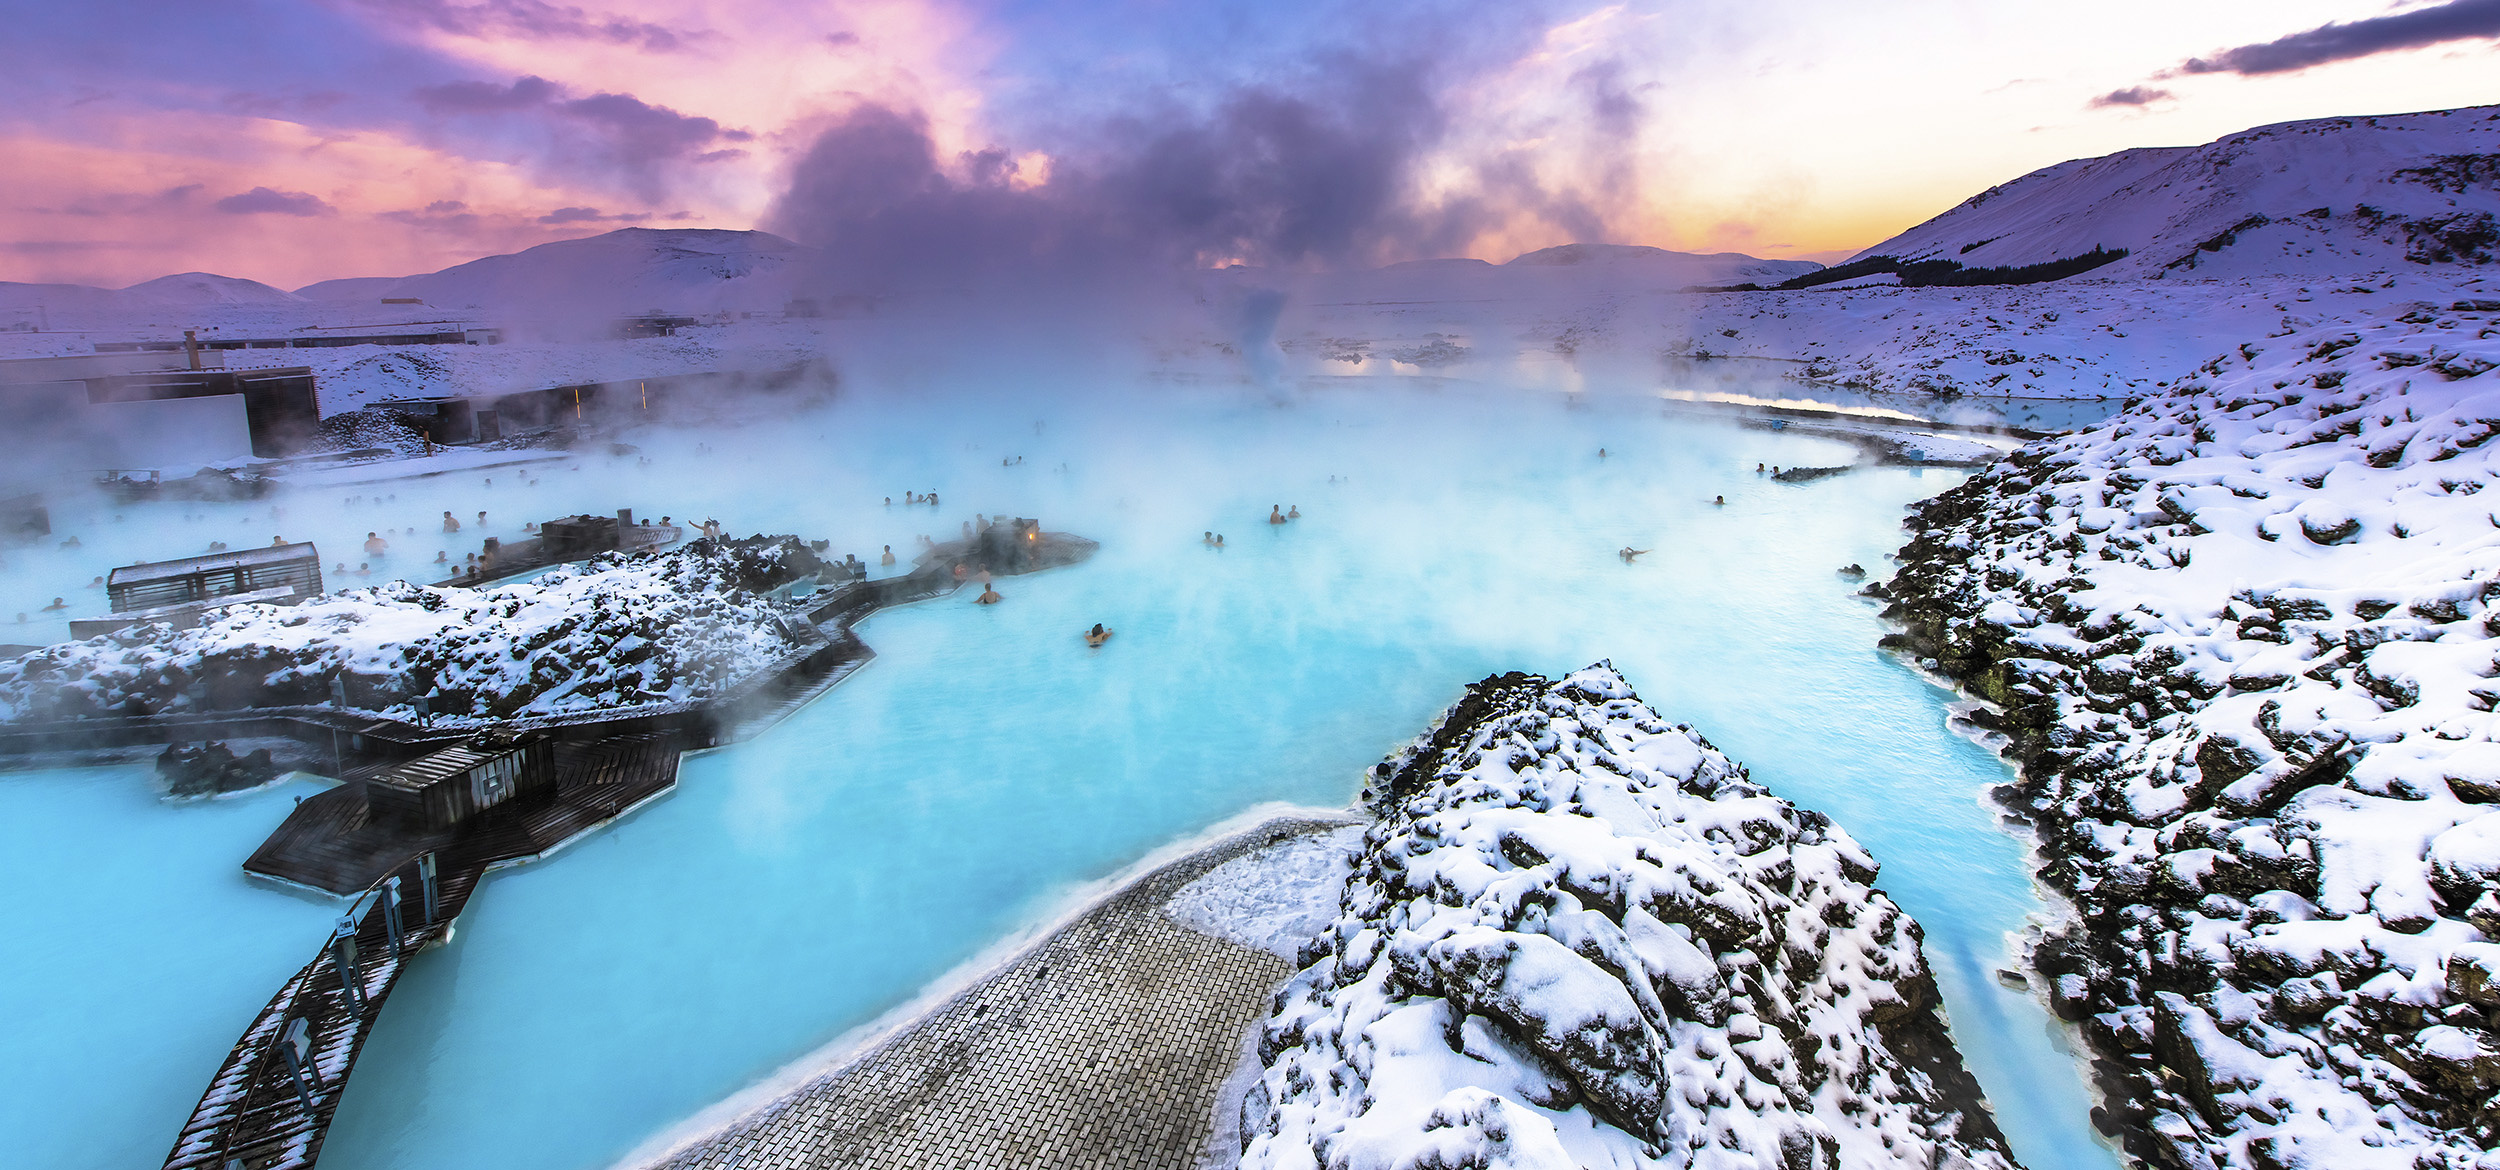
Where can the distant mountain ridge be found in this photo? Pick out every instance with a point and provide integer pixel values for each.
(2324, 196)
(683, 270)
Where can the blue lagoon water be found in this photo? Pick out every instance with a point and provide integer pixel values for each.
(987, 763)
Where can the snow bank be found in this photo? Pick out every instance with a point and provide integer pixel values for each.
(1579, 936)
(657, 628)
(2245, 641)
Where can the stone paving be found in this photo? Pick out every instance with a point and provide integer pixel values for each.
(1103, 1047)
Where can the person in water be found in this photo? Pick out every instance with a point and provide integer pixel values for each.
(1628, 552)
(56, 606)
(374, 544)
(1294, 512)
(1721, 501)
(1219, 540)
(889, 556)
(1098, 635)
(988, 596)
(451, 523)
(1276, 514)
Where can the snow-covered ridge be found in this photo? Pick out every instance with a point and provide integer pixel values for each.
(616, 632)
(1579, 936)
(2245, 639)
(2330, 195)
(631, 270)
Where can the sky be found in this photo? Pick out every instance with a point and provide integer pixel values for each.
(291, 141)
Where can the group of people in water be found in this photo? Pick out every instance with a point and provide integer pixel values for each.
(915, 498)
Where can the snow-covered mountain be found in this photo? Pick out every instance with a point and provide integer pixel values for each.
(678, 270)
(183, 289)
(2331, 195)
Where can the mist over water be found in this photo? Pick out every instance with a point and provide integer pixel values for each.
(987, 763)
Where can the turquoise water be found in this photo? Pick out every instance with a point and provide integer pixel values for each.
(135, 953)
(987, 762)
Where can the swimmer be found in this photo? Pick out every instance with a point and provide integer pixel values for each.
(960, 572)
(57, 604)
(481, 519)
(1276, 514)
(374, 544)
(1207, 538)
(889, 501)
(1294, 512)
(442, 558)
(98, 583)
(341, 570)
(1757, 469)
(932, 498)
(988, 596)
(888, 558)
(1601, 452)
(275, 541)
(1721, 501)
(364, 569)
(1628, 552)
(1097, 636)
(1219, 540)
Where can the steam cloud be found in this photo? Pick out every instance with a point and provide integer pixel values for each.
(1319, 177)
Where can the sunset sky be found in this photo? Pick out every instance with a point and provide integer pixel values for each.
(290, 141)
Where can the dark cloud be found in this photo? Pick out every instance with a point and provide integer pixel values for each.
(529, 19)
(2133, 95)
(1323, 175)
(615, 132)
(2453, 21)
(269, 201)
(445, 207)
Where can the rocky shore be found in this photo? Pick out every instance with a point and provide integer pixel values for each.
(1578, 935)
(2242, 640)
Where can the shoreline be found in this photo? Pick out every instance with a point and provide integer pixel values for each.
(713, 1135)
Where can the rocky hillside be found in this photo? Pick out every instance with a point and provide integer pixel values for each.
(616, 632)
(1579, 936)
(2244, 638)
(2322, 197)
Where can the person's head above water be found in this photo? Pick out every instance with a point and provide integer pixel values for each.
(1097, 630)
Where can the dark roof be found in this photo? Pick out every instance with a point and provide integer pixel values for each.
(428, 770)
(250, 557)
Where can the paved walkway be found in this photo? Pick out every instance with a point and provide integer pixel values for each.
(1103, 1047)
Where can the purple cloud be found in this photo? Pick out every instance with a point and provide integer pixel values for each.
(611, 129)
(531, 20)
(269, 201)
(2456, 20)
(2133, 95)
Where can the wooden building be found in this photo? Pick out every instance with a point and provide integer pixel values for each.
(293, 568)
(441, 790)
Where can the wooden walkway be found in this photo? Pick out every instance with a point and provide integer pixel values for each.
(254, 1115)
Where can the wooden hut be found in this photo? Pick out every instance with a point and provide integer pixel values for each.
(447, 787)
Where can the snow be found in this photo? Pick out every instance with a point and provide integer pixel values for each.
(1579, 936)
(1276, 898)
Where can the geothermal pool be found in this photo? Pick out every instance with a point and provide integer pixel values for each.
(987, 764)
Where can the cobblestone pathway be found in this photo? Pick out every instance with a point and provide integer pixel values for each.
(1101, 1048)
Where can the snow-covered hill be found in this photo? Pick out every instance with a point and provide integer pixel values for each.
(1580, 936)
(632, 270)
(2327, 196)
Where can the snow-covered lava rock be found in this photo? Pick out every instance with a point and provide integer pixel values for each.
(2243, 636)
(615, 632)
(1578, 935)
